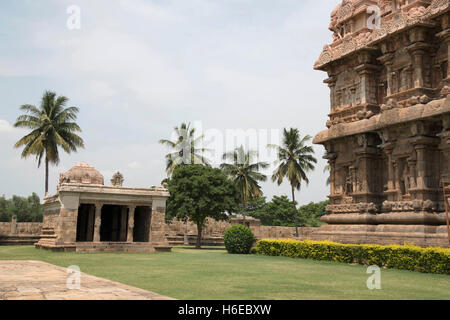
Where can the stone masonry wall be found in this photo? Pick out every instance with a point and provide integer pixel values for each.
(22, 228)
(217, 229)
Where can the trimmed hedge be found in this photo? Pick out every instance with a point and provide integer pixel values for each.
(406, 257)
(238, 239)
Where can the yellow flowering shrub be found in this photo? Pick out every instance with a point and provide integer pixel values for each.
(406, 257)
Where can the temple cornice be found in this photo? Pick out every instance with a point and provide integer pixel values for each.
(366, 38)
(385, 119)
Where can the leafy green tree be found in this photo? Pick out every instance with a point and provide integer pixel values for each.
(4, 217)
(255, 204)
(277, 212)
(52, 126)
(280, 209)
(310, 214)
(295, 160)
(26, 209)
(199, 192)
(185, 149)
(245, 174)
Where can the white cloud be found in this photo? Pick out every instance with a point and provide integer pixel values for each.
(151, 10)
(5, 126)
(134, 165)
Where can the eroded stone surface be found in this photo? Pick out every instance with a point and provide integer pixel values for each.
(36, 280)
(388, 137)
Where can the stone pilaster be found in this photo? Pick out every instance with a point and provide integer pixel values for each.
(157, 227)
(445, 36)
(331, 81)
(331, 157)
(418, 49)
(444, 146)
(387, 60)
(391, 189)
(131, 210)
(367, 74)
(367, 157)
(425, 148)
(90, 228)
(412, 173)
(98, 221)
(418, 66)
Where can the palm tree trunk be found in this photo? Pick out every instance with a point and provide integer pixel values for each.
(46, 175)
(243, 212)
(295, 212)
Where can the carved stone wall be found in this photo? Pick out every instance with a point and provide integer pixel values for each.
(387, 141)
(12, 233)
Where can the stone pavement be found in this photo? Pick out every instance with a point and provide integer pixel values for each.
(36, 280)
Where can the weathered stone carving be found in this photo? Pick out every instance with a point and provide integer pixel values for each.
(396, 21)
(389, 127)
(117, 180)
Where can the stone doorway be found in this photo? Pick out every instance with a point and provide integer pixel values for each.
(114, 223)
(85, 223)
(142, 219)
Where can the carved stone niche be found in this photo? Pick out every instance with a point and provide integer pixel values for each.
(117, 180)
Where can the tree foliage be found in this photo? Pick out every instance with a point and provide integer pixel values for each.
(278, 212)
(51, 126)
(199, 192)
(26, 209)
(295, 160)
(244, 173)
(185, 149)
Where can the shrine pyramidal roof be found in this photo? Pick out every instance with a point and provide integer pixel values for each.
(82, 173)
(359, 24)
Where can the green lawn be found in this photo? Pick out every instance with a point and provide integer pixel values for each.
(213, 274)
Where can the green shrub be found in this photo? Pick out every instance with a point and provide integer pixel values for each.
(239, 239)
(406, 257)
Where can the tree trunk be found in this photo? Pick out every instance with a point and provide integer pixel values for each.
(199, 236)
(46, 175)
(295, 212)
(243, 212)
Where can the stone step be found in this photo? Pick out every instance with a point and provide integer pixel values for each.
(18, 240)
(48, 236)
(176, 243)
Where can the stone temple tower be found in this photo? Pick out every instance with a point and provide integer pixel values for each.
(388, 133)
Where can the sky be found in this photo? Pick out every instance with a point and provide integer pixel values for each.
(138, 68)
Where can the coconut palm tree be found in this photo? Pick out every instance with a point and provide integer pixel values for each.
(185, 149)
(245, 174)
(295, 159)
(52, 126)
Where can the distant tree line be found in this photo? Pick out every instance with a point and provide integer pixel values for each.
(278, 212)
(27, 209)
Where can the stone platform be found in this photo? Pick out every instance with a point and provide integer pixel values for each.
(36, 280)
